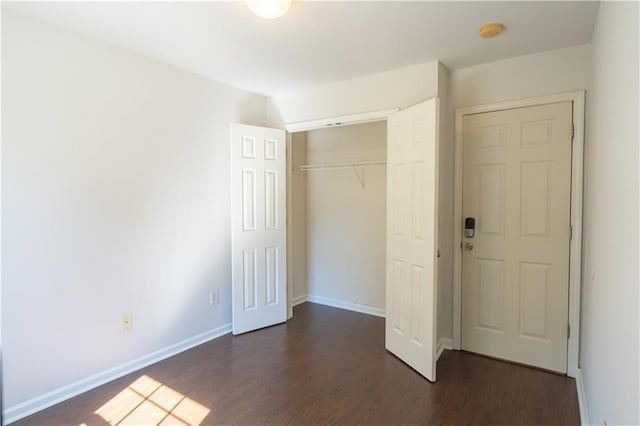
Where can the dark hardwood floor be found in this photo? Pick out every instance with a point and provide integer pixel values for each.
(325, 366)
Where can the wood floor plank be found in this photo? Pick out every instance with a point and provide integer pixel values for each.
(325, 366)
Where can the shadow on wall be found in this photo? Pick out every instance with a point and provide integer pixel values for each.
(244, 109)
(274, 116)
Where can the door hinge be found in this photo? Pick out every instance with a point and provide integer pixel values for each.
(573, 132)
(570, 232)
(568, 331)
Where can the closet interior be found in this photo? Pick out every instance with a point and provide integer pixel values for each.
(337, 214)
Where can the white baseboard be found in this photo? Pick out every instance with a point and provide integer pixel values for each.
(443, 344)
(363, 309)
(582, 399)
(24, 409)
(298, 300)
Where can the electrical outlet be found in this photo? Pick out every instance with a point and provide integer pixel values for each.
(214, 297)
(127, 322)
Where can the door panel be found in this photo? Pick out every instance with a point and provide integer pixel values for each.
(258, 231)
(515, 270)
(412, 158)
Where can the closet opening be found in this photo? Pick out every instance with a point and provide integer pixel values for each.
(336, 201)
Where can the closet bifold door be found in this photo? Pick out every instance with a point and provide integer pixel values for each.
(258, 227)
(412, 193)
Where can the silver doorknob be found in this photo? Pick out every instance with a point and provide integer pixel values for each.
(468, 246)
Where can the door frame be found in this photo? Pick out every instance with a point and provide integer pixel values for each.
(288, 222)
(575, 246)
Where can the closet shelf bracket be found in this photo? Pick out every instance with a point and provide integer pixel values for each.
(359, 175)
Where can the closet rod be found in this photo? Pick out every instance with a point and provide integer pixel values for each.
(326, 166)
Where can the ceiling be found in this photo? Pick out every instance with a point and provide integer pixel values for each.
(318, 42)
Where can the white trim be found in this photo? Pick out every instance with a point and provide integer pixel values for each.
(582, 399)
(356, 307)
(289, 224)
(24, 409)
(443, 344)
(457, 233)
(299, 299)
(578, 98)
(575, 247)
(344, 120)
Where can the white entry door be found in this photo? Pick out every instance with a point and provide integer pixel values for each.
(515, 269)
(258, 230)
(412, 172)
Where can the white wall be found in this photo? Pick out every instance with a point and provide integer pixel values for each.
(116, 199)
(554, 71)
(397, 88)
(609, 353)
(298, 219)
(346, 224)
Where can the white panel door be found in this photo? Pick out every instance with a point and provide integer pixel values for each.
(515, 270)
(412, 172)
(258, 229)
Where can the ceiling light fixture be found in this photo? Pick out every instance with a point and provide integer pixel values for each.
(491, 30)
(269, 9)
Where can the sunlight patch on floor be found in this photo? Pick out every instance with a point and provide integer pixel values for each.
(149, 402)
